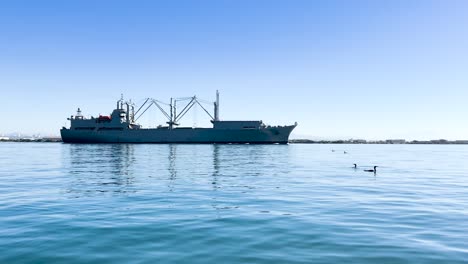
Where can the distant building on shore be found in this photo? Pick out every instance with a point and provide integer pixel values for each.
(395, 141)
(439, 141)
(358, 141)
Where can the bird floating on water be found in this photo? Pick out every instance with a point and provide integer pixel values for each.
(345, 152)
(374, 170)
(355, 165)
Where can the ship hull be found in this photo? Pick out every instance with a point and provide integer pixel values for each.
(268, 135)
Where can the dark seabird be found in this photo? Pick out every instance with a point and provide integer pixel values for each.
(355, 165)
(374, 170)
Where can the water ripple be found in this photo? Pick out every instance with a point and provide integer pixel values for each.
(232, 204)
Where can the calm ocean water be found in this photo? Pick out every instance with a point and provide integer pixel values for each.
(65, 203)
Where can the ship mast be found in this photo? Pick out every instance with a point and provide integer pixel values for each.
(171, 119)
(120, 102)
(216, 107)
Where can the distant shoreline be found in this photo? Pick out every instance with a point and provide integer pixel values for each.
(382, 142)
(297, 141)
(39, 140)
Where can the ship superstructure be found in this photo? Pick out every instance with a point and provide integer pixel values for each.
(122, 127)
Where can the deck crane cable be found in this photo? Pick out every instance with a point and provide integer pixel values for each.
(205, 110)
(143, 111)
(160, 102)
(205, 101)
(183, 98)
(147, 99)
(161, 109)
(186, 109)
(152, 102)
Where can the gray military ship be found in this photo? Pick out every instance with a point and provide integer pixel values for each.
(122, 127)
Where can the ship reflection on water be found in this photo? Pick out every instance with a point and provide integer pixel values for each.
(209, 203)
(101, 168)
(171, 168)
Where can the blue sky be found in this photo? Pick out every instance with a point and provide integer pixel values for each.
(341, 69)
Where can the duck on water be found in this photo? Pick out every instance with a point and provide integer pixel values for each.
(374, 170)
